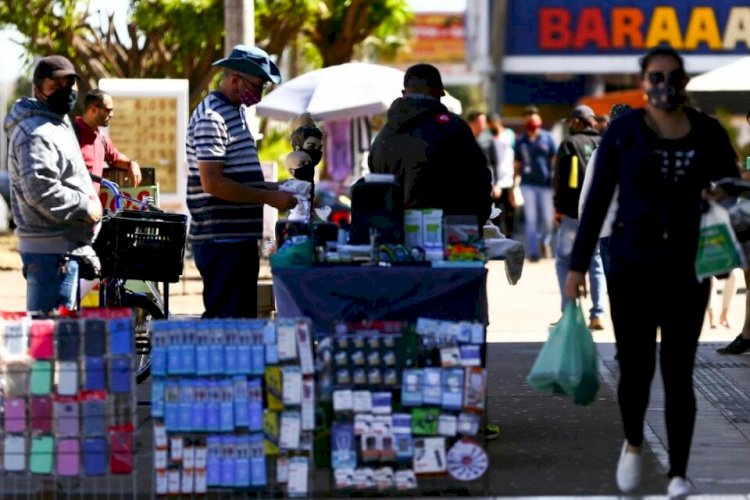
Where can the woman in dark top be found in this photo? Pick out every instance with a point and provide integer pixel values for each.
(663, 158)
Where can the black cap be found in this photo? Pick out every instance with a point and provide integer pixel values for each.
(423, 75)
(583, 113)
(54, 67)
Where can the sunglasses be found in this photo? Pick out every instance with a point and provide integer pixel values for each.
(254, 85)
(674, 77)
(108, 110)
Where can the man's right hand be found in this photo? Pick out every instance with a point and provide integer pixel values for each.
(281, 200)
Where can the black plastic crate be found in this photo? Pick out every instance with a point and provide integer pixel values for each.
(142, 245)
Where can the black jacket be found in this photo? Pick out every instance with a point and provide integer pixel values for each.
(435, 158)
(580, 145)
(658, 218)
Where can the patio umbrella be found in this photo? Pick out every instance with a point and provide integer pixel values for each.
(349, 90)
(726, 87)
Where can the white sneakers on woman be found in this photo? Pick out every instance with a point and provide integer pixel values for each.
(679, 487)
(629, 469)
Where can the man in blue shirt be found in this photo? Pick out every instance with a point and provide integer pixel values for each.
(535, 154)
(226, 190)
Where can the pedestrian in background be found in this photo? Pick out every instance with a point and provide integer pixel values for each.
(741, 343)
(53, 200)
(534, 157)
(97, 148)
(602, 122)
(503, 195)
(226, 190)
(570, 171)
(604, 236)
(663, 158)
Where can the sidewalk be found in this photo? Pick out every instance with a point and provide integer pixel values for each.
(547, 445)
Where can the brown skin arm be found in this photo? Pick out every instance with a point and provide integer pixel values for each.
(216, 184)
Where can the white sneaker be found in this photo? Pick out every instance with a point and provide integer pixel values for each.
(680, 487)
(629, 469)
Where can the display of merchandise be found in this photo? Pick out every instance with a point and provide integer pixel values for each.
(407, 401)
(233, 402)
(67, 405)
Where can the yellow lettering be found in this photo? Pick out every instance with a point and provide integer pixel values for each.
(702, 27)
(665, 28)
(738, 28)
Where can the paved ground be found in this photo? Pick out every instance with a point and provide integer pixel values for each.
(547, 445)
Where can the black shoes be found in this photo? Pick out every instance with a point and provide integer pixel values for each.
(737, 346)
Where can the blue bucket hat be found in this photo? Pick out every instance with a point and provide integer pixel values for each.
(251, 61)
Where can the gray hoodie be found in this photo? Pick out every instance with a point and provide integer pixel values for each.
(50, 186)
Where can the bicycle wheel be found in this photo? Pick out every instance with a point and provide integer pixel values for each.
(144, 310)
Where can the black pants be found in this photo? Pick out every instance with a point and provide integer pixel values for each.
(676, 303)
(230, 278)
(506, 221)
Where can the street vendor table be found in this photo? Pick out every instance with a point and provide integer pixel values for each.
(349, 293)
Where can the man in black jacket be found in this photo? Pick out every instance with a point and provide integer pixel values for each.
(431, 151)
(572, 158)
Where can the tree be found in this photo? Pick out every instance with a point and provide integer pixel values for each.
(182, 38)
(341, 25)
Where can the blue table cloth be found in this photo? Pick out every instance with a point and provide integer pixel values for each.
(350, 293)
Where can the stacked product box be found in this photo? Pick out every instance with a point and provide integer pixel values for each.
(67, 394)
(230, 397)
(407, 402)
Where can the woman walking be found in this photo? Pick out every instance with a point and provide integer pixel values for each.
(663, 158)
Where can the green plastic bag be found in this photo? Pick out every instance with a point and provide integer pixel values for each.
(293, 254)
(567, 363)
(718, 249)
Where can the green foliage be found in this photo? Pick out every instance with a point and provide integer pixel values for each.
(275, 146)
(181, 38)
(341, 25)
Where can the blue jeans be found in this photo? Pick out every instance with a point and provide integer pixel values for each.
(537, 207)
(230, 278)
(604, 251)
(566, 236)
(49, 283)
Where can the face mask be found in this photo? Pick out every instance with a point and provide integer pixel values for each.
(62, 101)
(666, 97)
(315, 155)
(250, 98)
(532, 125)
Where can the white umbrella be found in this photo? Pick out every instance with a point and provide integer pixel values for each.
(732, 77)
(339, 92)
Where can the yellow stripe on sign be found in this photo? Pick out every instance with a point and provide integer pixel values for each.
(573, 178)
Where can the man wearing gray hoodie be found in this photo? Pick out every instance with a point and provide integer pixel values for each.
(54, 204)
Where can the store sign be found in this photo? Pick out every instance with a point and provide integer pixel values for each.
(621, 27)
(715, 31)
(435, 38)
(149, 125)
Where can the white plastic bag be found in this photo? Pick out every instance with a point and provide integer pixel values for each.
(718, 249)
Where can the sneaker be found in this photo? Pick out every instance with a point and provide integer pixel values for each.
(491, 431)
(596, 324)
(737, 346)
(629, 469)
(680, 487)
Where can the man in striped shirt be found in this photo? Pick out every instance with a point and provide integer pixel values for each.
(226, 189)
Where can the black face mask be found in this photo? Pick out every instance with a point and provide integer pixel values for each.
(62, 101)
(315, 155)
(666, 97)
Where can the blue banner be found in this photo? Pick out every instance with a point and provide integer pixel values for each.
(626, 27)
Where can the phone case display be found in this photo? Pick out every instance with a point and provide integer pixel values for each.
(419, 412)
(233, 405)
(66, 394)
